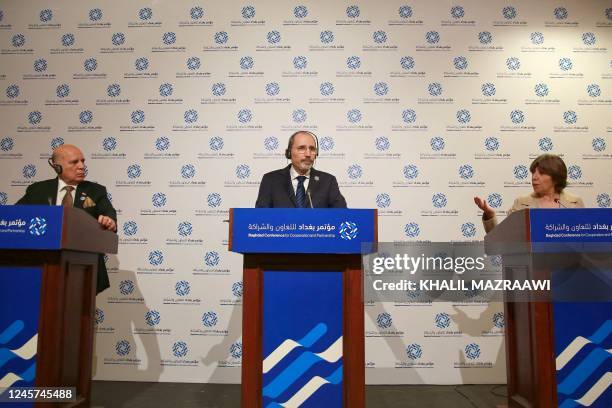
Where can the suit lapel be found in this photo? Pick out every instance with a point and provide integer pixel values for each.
(289, 186)
(51, 191)
(313, 186)
(79, 193)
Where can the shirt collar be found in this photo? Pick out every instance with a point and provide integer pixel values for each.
(294, 174)
(61, 184)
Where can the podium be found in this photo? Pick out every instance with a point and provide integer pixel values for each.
(303, 317)
(48, 267)
(557, 348)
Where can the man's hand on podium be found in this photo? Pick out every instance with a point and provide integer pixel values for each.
(107, 223)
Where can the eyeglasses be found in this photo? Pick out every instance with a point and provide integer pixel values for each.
(304, 149)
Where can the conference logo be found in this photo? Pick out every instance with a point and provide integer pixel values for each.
(354, 116)
(238, 289)
(545, 144)
(414, 351)
(460, 63)
(463, 116)
(570, 117)
(560, 13)
(520, 172)
(485, 37)
(211, 259)
(300, 62)
(118, 39)
(18, 40)
(384, 320)
(565, 64)
(95, 14)
(182, 288)
(326, 37)
(62, 91)
(169, 38)
(141, 64)
(383, 200)
(236, 350)
(271, 143)
(273, 37)
(541, 90)
(495, 200)
(537, 38)
(513, 63)
(193, 63)
(603, 200)
(412, 230)
(588, 39)
(57, 142)
(407, 63)
(34, 117)
(434, 89)
(243, 171)
(126, 287)
(439, 200)
(156, 257)
(437, 143)
(90, 64)
(165, 90)
(246, 63)
(68, 40)
(130, 228)
(123, 348)
(348, 230)
(40, 65)
(354, 171)
(442, 320)
(3, 198)
(162, 143)
(159, 200)
(29, 171)
(410, 172)
(210, 319)
(272, 89)
(517, 116)
(179, 349)
(12, 91)
(152, 318)
(509, 13)
(498, 320)
(472, 351)
(137, 117)
(300, 12)
(432, 37)
(37, 226)
(593, 90)
(299, 116)
(6, 144)
(327, 143)
(468, 230)
(491, 144)
(382, 143)
(598, 144)
(488, 89)
(379, 37)
(574, 172)
(98, 316)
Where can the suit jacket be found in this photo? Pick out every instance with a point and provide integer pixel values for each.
(276, 190)
(530, 201)
(45, 193)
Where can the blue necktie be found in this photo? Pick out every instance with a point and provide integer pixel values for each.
(300, 192)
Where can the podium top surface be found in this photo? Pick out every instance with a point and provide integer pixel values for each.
(302, 230)
(44, 227)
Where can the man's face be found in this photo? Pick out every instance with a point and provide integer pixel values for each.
(303, 152)
(73, 164)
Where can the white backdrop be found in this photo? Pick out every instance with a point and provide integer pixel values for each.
(182, 106)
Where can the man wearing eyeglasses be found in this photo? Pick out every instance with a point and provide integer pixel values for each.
(299, 185)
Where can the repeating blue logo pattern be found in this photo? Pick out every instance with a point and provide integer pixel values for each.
(589, 39)
(457, 12)
(300, 12)
(209, 319)
(248, 12)
(434, 89)
(212, 258)
(537, 38)
(472, 351)
(29, 171)
(599, 144)
(99, 316)
(383, 200)
(414, 351)
(182, 288)
(520, 172)
(40, 65)
(495, 200)
(460, 63)
(156, 257)
(273, 37)
(6, 144)
(3, 198)
(327, 143)
(407, 63)
(213, 200)
(46, 15)
(126, 287)
(570, 117)
(190, 116)
(488, 89)
(442, 320)
(118, 39)
(437, 143)
(491, 144)
(468, 230)
(384, 320)
(237, 289)
(326, 37)
(565, 64)
(35, 117)
(271, 143)
(179, 349)
(354, 171)
(354, 116)
(193, 63)
(603, 200)
(218, 89)
(37, 226)
(18, 40)
(85, 117)
(463, 116)
(353, 62)
(545, 144)
(439, 200)
(379, 37)
(244, 115)
(411, 171)
(499, 320)
(348, 230)
(95, 14)
(123, 348)
(243, 171)
(162, 143)
(165, 89)
(541, 90)
(90, 64)
(68, 40)
(272, 89)
(62, 91)
(12, 91)
(236, 350)
(485, 37)
(152, 318)
(593, 90)
(185, 229)
(382, 143)
(432, 37)
(509, 13)
(130, 228)
(57, 142)
(560, 13)
(145, 13)
(216, 143)
(169, 38)
(137, 117)
(405, 11)
(299, 116)
(513, 63)
(412, 230)
(134, 171)
(352, 11)
(141, 64)
(574, 172)
(221, 37)
(409, 116)
(158, 199)
(300, 62)
(517, 116)
(466, 171)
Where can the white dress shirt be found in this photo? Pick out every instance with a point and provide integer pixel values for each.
(61, 192)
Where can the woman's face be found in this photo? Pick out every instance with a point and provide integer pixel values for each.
(542, 183)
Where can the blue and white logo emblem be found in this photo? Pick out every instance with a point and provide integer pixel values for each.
(599, 144)
(574, 172)
(193, 63)
(182, 288)
(520, 172)
(460, 63)
(122, 348)
(243, 171)
(213, 200)
(118, 39)
(466, 171)
(537, 38)
(6, 144)
(485, 37)
(211, 258)
(40, 65)
(85, 117)
(272, 89)
(209, 319)
(348, 230)
(162, 143)
(184, 229)
(495, 200)
(216, 143)
(300, 62)
(3, 198)
(409, 116)
(29, 171)
(300, 12)
(472, 351)
(145, 13)
(603, 200)
(37, 226)
(237, 289)
(221, 37)
(412, 230)
(248, 12)
(246, 63)
(383, 200)
(439, 200)
(463, 116)
(457, 12)
(190, 116)
(113, 90)
(491, 144)
(570, 117)
(218, 89)
(18, 40)
(299, 115)
(126, 287)
(545, 144)
(271, 143)
(95, 14)
(188, 171)
(273, 37)
(442, 320)
(236, 350)
(156, 257)
(588, 38)
(560, 13)
(327, 143)
(166, 89)
(437, 143)
(68, 40)
(509, 13)
(354, 116)
(352, 11)
(353, 62)
(169, 38)
(381, 88)
(468, 229)
(130, 228)
(411, 171)
(513, 63)
(414, 351)
(141, 64)
(432, 37)
(158, 199)
(137, 116)
(384, 320)
(541, 90)
(405, 11)
(565, 64)
(382, 143)
(498, 320)
(90, 64)
(326, 37)
(434, 89)
(244, 115)
(593, 90)
(152, 318)
(12, 91)
(354, 171)
(62, 91)
(99, 316)
(407, 63)
(517, 116)
(488, 89)
(379, 37)
(46, 15)
(34, 117)
(134, 171)
(179, 349)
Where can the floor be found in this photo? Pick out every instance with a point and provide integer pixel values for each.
(116, 394)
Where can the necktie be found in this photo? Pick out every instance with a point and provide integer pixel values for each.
(300, 192)
(67, 200)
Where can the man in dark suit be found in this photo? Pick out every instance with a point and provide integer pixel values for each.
(70, 189)
(299, 185)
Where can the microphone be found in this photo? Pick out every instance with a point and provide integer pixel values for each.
(557, 201)
(50, 200)
(309, 199)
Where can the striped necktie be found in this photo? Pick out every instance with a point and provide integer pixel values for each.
(67, 200)
(300, 192)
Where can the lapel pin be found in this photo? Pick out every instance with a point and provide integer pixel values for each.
(316, 178)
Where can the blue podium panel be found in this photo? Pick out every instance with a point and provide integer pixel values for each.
(31, 226)
(302, 339)
(301, 230)
(588, 229)
(20, 292)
